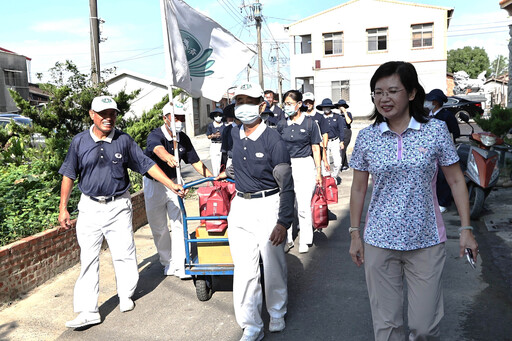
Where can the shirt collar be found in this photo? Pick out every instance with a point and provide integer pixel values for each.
(168, 136)
(257, 133)
(299, 120)
(106, 139)
(413, 124)
(432, 114)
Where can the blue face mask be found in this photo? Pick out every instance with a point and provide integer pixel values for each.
(247, 113)
(289, 110)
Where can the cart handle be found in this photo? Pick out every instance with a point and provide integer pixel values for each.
(200, 181)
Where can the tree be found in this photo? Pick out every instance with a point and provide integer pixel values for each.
(473, 60)
(498, 67)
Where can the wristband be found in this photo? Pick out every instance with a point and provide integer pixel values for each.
(352, 229)
(465, 228)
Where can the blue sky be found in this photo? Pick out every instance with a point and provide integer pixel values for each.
(56, 30)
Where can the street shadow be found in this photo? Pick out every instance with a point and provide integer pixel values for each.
(6, 329)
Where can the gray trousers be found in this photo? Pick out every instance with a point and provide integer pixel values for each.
(385, 271)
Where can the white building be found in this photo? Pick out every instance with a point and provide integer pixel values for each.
(152, 92)
(334, 53)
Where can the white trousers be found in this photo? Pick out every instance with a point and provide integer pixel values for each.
(112, 221)
(162, 204)
(215, 157)
(251, 222)
(304, 179)
(333, 151)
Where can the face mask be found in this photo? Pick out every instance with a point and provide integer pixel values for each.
(327, 111)
(247, 113)
(178, 125)
(217, 119)
(289, 110)
(429, 105)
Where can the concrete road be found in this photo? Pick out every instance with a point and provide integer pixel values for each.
(327, 292)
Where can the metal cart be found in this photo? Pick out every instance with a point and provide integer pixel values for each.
(202, 273)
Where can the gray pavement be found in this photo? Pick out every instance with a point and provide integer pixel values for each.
(327, 292)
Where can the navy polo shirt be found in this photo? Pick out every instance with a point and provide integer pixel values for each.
(299, 136)
(336, 125)
(101, 165)
(349, 114)
(320, 120)
(212, 129)
(227, 140)
(160, 137)
(255, 156)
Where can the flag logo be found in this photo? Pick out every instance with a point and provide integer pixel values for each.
(197, 59)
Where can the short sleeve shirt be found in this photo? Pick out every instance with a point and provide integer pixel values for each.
(213, 128)
(255, 156)
(101, 165)
(403, 212)
(299, 136)
(335, 124)
(160, 137)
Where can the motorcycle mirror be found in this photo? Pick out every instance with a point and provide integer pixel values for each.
(463, 117)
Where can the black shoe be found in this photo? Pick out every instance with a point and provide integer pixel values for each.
(344, 168)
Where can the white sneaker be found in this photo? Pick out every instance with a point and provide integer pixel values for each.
(442, 209)
(83, 319)
(126, 304)
(253, 337)
(303, 248)
(276, 324)
(168, 271)
(288, 246)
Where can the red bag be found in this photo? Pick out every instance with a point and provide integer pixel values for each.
(331, 189)
(319, 211)
(203, 193)
(228, 186)
(218, 204)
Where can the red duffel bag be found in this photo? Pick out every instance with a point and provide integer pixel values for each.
(319, 211)
(218, 204)
(331, 189)
(203, 193)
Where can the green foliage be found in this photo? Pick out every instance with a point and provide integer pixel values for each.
(498, 67)
(473, 60)
(499, 123)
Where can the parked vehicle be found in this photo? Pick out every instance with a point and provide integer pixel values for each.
(480, 166)
(458, 105)
(37, 139)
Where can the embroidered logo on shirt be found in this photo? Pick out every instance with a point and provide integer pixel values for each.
(181, 149)
(118, 155)
(303, 130)
(259, 155)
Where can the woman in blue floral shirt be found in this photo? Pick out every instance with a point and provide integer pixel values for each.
(404, 234)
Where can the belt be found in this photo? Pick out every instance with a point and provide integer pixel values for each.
(103, 199)
(216, 141)
(334, 138)
(260, 194)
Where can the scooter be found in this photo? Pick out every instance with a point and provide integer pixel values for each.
(480, 166)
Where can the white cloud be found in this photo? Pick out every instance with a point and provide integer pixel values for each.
(73, 26)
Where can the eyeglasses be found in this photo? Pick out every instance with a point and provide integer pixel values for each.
(377, 94)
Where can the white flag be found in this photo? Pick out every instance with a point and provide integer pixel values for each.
(214, 57)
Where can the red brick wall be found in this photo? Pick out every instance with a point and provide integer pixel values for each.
(33, 260)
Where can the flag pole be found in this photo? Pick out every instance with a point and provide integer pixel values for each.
(168, 64)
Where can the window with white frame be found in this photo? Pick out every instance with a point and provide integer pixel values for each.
(303, 44)
(422, 35)
(340, 90)
(333, 43)
(377, 39)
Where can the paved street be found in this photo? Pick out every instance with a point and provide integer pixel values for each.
(327, 292)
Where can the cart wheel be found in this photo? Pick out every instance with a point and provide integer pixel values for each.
(204, 290)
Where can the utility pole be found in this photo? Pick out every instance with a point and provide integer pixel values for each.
(279, 77)
(257, 16)
(95, 42)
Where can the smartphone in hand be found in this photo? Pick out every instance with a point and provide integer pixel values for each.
(469, 257)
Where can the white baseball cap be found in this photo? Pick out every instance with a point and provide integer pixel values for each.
(249, 89)
(101, 103)
(308, 96)
(166, 110)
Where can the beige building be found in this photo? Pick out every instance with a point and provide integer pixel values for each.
(334, 53)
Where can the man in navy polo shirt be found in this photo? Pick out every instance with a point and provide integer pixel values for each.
(335, 134)
(99, 159)
(278, 113)
(162, 202)
(260, 214)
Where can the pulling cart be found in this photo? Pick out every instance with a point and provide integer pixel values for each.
(207, 254)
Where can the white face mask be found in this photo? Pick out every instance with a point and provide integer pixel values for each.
(217, 119)
(178, 125)
(289, 110)
(327, 111)
(247, 113)
(429, 105)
